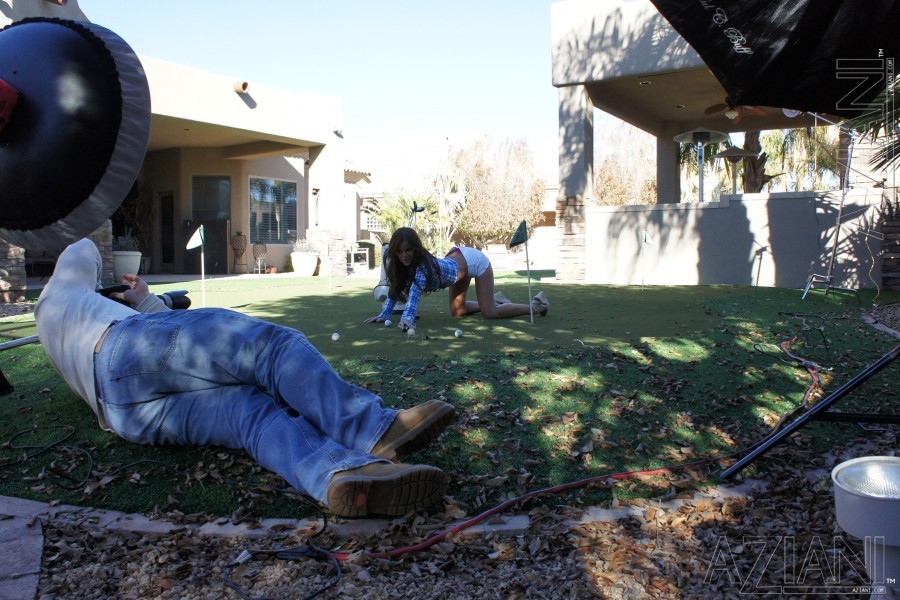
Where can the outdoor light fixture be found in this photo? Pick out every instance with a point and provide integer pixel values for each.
(241, 87)
(700, 137)
(867, 505)
(734, 156)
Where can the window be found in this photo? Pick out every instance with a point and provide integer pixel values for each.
(373, 224)
(210, 198)
(273, 211)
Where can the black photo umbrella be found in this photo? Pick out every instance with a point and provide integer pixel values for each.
(822, 56)
(74, 126)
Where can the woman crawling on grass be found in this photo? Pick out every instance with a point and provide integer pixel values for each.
(413, 271)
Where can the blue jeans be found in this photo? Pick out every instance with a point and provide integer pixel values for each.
(216, 377)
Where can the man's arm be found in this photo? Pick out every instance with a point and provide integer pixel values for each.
(139, 296)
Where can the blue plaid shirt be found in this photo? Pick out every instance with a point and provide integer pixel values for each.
(445, 276)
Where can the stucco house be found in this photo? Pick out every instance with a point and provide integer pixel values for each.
(238, 157)
(623, 57)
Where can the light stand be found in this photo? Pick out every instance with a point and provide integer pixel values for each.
(819, 412)
(828, 277)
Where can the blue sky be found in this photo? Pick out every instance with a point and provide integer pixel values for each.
(413, 76)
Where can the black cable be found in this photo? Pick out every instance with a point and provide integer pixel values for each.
(43, 448)
(310, 550)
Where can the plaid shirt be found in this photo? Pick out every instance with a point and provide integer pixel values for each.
(445, 276)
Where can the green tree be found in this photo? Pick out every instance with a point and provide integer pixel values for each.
(395, 210)
(501, 189)
(625, 171)
(808, 157)
(882, 124)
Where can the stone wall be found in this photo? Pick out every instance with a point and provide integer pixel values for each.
(12, 264)
(332, 245)
(102, 236)
(570, 224)
(12, 273)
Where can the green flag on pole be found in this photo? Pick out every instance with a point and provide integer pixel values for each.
(520, 236)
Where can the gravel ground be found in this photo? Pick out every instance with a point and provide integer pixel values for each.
(688, 545)
(9, 309)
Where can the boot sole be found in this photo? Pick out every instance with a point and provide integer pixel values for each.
(392, 495)
(421, 435)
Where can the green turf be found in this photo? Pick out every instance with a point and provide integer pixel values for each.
(614, 379)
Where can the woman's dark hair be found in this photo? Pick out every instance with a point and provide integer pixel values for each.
(401, 277)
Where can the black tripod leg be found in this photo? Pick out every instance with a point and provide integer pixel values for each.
(811, 413)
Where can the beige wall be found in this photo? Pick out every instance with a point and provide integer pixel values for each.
(172, 171)
(16, 10)
(757, 239)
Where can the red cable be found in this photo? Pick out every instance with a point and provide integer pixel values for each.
(441, 536)
(809, 366)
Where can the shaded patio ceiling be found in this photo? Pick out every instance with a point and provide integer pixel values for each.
(636, 67)
(661, 103)
(170, 132)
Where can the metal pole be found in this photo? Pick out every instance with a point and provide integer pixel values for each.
(31, 339)
(528, 270)
(700, 161)
(811, 413)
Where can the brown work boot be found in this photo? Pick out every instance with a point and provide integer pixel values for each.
(387, 489)
(414, 428)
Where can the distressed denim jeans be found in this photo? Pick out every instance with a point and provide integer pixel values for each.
(216, 377)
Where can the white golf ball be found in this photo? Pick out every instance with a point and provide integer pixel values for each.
(335, 337)
(388, 323)
(458, 333)
(410, 332)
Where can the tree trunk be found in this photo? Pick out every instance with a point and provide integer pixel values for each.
(754, 176)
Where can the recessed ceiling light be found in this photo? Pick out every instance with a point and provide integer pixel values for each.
(679, 106)
(645, 82)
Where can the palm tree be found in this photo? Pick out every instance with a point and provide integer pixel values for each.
(808, 157)
(883, 124)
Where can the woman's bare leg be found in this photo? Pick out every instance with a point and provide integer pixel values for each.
(484, 291)
(459, 306)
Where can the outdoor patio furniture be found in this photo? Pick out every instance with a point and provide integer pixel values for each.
(259, 255)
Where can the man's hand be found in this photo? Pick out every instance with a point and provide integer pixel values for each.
(137, 292)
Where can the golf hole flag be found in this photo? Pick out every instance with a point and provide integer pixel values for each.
(198, 240)
(521, 237)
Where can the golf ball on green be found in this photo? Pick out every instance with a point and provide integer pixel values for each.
(410, 332)
(335, 337)
(458, 333)
(388, 323)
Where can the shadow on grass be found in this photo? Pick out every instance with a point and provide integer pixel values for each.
(613, 379)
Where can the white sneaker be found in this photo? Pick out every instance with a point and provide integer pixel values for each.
(541, 304)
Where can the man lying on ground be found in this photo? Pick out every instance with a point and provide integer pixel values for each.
(216, 377)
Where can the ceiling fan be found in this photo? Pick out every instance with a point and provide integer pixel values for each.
(735, 113)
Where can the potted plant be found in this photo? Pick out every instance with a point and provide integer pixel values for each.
(126, 251)
(304, 258)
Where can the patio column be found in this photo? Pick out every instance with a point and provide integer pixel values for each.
(576, 174)
(668, 175)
